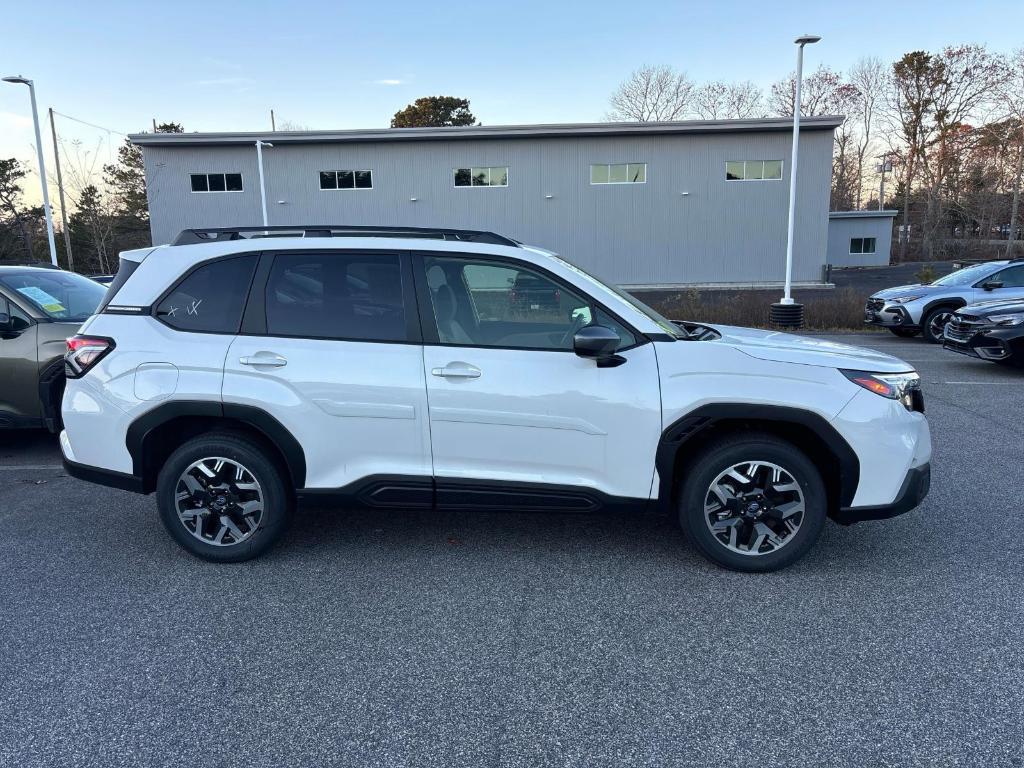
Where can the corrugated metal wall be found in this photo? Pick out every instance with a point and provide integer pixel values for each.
(632, 234)
(842, 230)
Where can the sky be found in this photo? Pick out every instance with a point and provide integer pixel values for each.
(323, 64)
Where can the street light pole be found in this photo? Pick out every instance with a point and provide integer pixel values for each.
(787, 312)
(263, 190)
(42, 165)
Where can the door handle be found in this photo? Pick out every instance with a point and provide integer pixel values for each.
(457, 371)
(264, 359)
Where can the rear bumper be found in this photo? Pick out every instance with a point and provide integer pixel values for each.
(107, 477)
(913, 491)
(98, 475)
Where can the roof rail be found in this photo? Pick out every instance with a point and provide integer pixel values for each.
(220, 234)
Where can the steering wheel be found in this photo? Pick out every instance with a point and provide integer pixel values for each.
(577, 322)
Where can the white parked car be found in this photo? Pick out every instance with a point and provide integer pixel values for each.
(233, 373)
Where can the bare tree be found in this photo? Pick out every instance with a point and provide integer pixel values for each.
(1011, 93)
(96, 212)
(717, 100)
(824, 92)
(652, 94)
(870, 77)
(969, 76)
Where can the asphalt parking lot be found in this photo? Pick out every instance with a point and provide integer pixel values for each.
(415, 639)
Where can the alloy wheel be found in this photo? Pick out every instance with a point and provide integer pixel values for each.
(937, 324)
(754, 508)
(219, 501)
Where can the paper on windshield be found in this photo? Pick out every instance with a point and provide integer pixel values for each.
(42, 298)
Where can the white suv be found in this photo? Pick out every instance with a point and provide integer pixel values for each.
(237, 371)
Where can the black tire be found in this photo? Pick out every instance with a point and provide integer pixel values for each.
(736, 449)
(930, 323)
(905, 333)
(276, 495)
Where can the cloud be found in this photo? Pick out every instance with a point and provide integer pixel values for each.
(389, 82)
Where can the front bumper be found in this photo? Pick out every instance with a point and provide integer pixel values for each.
(915, 487)
(991, 343)
(886, 315)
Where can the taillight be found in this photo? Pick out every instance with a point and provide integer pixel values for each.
(83, 353)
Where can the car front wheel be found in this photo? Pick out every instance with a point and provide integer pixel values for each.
(752, 503)
(223, 497)
(934, 324)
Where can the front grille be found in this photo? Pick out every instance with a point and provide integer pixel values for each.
(875, 305)
(962, 327)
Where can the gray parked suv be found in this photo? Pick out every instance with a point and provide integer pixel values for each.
(907, 310)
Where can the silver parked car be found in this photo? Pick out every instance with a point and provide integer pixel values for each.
(907, 310)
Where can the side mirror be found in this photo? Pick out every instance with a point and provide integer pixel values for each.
(992, 284)
(599, 343)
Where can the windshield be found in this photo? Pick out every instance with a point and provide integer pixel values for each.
(663, 322)
(59, 295)
(967, 275)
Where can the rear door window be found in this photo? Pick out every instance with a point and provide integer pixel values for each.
(355, 297)
(211, 298)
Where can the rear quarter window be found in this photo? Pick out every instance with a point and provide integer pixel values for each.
(211, 298)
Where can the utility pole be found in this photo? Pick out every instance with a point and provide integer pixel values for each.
(60, 192)
(273, 125)
(154, 125)
(885, 165)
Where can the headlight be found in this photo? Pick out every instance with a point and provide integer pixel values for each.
(904, 299)
(1014, 318)
(905, 387)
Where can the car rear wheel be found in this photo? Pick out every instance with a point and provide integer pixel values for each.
(753, 503)
(905, 333)
(223, 497)
(934, 324)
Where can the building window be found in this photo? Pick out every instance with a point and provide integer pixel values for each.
(753, 170)
(862, 245)
(481, 177)
(619, 173)
(346, 180)
(216, 182)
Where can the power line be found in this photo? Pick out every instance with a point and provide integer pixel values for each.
(91, 125)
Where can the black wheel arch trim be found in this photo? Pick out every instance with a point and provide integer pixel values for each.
(953, 302)
(254, 417)
(692, 424)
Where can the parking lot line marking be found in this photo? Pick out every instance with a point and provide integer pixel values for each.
(32, 467)
(1017, 383)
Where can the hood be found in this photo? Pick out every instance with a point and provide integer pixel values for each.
(806, 350)
(915, 289)
(993, 307)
